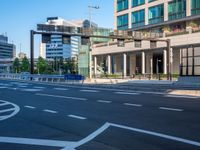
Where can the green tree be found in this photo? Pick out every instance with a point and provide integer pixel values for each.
(25, 66)
(16, 65)
(42, 65)
(70, 66)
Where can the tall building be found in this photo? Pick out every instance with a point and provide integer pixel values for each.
(7, 54)
(176, 20)
(6, 50)
(59, 47)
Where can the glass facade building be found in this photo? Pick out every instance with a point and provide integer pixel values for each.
(122, 22)
(137, 2)
(195, 7)
(122, 5)
(156, 14)
(138, 18)
(177, 9)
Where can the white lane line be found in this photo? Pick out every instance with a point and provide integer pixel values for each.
(39, 87)
(7, 110)
(103, 101)
(77, 117)
(135, 105)
(3, 104)
(38, 142)
(31, 90)
(65, 97)
(126, 93)
(31, 107)
(50, 111)
(92, 91)
(61, 89)
(3, 87)
(170, 109)
(169, 137)
(180, 96)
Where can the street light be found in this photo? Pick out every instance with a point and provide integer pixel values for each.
(90, 43)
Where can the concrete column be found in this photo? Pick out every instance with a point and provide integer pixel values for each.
(146, 16)
(124, 65)
(130, 20)
(143, 63)
(151, 65)
(95, 65)
(132, 63)
(166, 11)
(109, 64)
(165, 61)
(188, 8)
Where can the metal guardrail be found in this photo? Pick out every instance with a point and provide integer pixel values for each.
(44, 78)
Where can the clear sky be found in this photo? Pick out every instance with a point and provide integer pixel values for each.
(18, 17)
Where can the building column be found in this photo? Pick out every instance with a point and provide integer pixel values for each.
(165, 61)
(143, 63)
(188, 8)
(166, 11)
(95, 66)
(146, 16)
(151, 65)
(124, 65)
(109, 64)
(132, 63)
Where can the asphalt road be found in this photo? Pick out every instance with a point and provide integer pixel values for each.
(50, 117)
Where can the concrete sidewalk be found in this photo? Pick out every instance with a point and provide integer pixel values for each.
(128, 81)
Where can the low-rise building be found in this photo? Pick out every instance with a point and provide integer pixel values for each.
(177, 20)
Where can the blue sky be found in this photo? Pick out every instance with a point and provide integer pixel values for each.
(18, 17)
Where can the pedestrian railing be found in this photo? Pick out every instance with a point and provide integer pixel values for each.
(69, 78)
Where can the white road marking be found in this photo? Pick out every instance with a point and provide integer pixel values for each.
(31, 107)
(39, 142)
(135, 105)
(65, 97)
(170, 109)
(12, 111)
(77, 117)
(126, 93)
(3, 104)
(92, 91)
(31, 90)
(103, 101)
(50, 111)
(7, 110)
(39, 87)
(107, 125)
(180, 96)
(3, 87)
(169, 137)
(61, 89)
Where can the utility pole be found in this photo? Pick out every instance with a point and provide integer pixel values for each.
(90, 42)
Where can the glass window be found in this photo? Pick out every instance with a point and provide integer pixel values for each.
(122, 5)
(137, 2)
(156, 14)
(195, 4)
(138, 18)
(122, 22)
(152, 0)
(177, 9)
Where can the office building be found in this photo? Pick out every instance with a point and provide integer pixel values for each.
(7, 53)
(176, 20)
(60, 47)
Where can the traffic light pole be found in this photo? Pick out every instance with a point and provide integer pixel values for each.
(32, 50)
